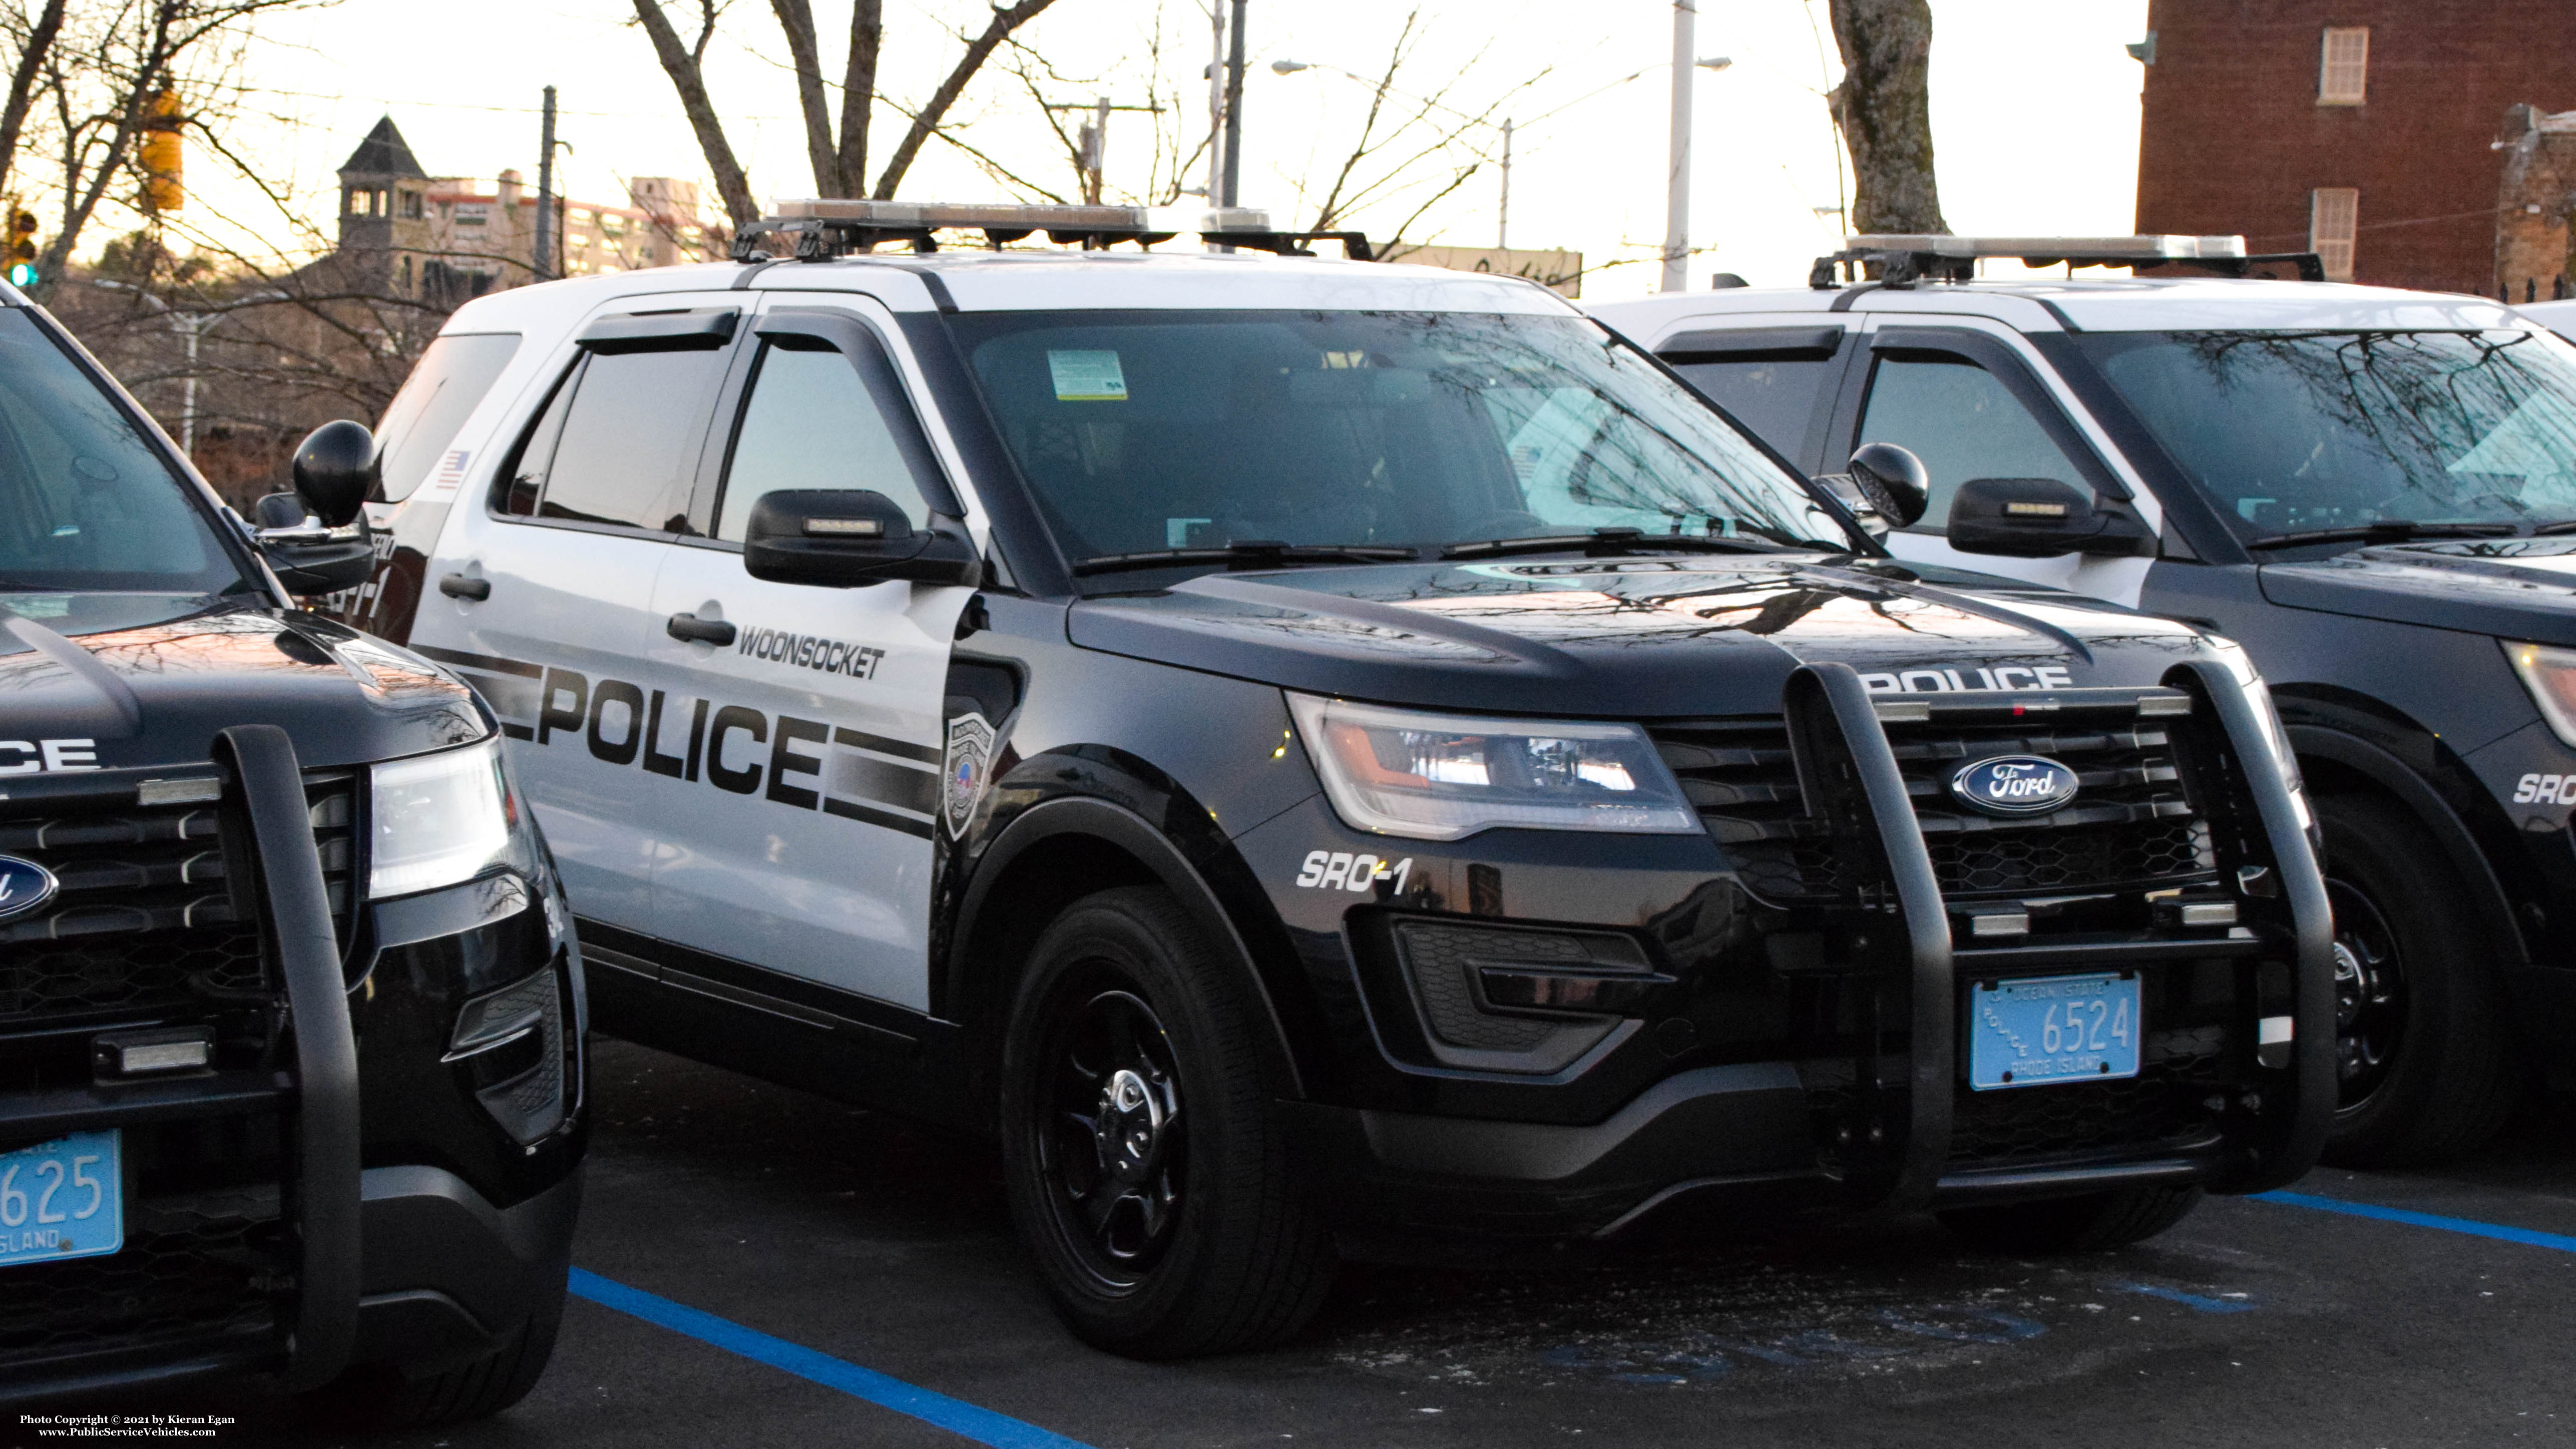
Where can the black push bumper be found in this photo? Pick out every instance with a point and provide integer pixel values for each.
(1890, 1127)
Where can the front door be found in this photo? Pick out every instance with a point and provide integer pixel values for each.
(815, 730)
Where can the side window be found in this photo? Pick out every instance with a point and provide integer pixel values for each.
(810, 421)
(422, 420)
(615, 445)
(1962, 422)
(1771, 390)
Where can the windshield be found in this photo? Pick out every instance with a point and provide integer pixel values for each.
(2294, 431)
(1141, 431)
(85, 502)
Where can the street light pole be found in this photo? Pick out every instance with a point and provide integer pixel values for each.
(1503, 210)
(1229, 190)
(1677, 183)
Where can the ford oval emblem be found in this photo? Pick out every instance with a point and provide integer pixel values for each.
(2014, 785)
(24, 886)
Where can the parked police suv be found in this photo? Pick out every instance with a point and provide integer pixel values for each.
(290, 1074)
(2374, 490)
(1309, 752)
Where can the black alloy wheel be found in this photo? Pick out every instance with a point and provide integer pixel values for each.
(1146, 1173)
(1111, 1147)
(2370, 994)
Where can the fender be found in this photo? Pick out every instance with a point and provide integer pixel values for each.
(2449, 831)
(1130, 832)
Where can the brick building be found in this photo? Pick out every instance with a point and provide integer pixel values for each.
(444, 239)
(2364, 130)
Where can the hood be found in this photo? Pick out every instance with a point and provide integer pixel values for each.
(1637, 638)
(2516, 588)
(116, 680)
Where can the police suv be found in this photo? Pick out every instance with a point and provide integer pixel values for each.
(1310, 752)
(290, 1010)
(2374, 490)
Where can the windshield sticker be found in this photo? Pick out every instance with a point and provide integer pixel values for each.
(1946, 679)
(1083, 376)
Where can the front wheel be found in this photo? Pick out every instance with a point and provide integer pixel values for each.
(1143, 1169)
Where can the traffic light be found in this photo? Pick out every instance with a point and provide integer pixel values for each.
(22, 246)
(161, 155)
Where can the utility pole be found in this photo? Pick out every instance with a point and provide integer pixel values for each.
(1677, 185)
(1503, 212)
(1216, 101)
(1229, 191)
(1095, 153)
(544, 262)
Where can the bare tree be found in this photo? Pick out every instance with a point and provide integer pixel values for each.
(35, 38)
(839, 165)
(1884, 107)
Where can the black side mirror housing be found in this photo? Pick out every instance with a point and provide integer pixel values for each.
(335, 470)
(851, 538)
(1895, 481)
(2041, 518)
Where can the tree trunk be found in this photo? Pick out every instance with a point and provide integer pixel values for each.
(690, 82)
(22, 86)
(796, 17)
(926, 124)
(859, 93)
(1884, 107)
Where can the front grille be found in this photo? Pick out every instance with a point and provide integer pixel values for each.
(2131, 827)
(146, 920)
(194, 1267)
(2165, 1103)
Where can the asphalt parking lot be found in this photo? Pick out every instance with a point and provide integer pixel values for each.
(736, 1227)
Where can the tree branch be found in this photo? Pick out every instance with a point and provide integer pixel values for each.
(689, 79)
(935, 110)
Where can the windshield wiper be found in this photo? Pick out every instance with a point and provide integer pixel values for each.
(1606, 542)
(2386, 531)
(2564, 525)
(1246, 553)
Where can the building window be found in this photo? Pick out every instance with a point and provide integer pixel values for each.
(410, 205)
(2334, 215)
(406, 276)
(2343, 71)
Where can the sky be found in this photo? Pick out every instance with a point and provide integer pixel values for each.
(2035, 111)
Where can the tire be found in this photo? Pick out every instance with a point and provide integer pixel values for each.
(2090, 1224)
(379, 1397)
(1152, 1242)
(2424, 1060)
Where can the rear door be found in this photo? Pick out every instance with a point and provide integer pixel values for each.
(808, 850)
(543, 590)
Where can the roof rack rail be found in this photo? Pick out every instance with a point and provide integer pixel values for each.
(819, 229)
(1903, 260)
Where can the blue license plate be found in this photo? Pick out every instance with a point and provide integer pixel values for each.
(2054, 1029)
(62, 1199)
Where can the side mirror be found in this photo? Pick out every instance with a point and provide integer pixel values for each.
(850, 538)
(335, 470)
(2040, 518)
(1896, 483)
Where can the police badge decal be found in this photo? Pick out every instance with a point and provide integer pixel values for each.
(970, 752)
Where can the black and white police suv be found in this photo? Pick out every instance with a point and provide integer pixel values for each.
(1308, 752)
(2374, 490)
(290, 1009)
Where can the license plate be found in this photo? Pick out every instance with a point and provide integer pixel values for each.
(2054, 1029)
(62, 1199)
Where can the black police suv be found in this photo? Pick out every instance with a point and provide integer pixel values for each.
(1309, 753)
(290, 1008)
(2373, 490)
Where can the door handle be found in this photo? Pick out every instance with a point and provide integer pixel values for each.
(699, 631)
(458, 586)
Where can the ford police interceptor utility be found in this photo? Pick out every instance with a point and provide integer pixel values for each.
(290, 1011)
(1311, 752)
(2374, 490)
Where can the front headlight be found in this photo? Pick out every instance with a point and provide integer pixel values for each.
(1444, 777)
(439, 819)
(2550, 675)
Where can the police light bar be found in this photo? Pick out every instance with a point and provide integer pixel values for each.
(1902, 259)
(820, 228)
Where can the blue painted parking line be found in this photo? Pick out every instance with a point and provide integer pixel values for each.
(2196, 1302)
(954, 1415)
(2470, 1226)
